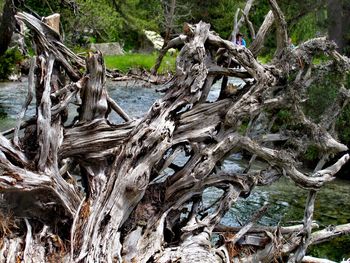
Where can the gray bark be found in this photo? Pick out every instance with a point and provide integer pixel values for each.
(130, 209)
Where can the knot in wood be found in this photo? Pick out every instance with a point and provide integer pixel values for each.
(141, 182)
(156, 106)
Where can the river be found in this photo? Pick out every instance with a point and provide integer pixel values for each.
(286, 200)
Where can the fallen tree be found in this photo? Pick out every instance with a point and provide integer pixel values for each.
(130, 207)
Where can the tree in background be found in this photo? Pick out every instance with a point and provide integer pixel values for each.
(7, 24)
(125, 20)
(339, 23)
(175, 12)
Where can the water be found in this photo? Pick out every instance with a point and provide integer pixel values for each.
(286, 200)
(12, 96)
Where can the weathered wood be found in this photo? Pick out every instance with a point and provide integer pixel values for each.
(281, 25)
(238, 22)
(308, 259)
(118, 109)
(27, 101)
(53, 21)
(126, 206)
(329, 233)
(258, 42)
(261, 229)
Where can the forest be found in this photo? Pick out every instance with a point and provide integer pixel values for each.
(79, 185)
(86, 21)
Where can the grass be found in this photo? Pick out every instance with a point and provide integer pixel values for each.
(138, 60)
(264, 59)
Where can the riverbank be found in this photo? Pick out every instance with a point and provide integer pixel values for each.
(138, 66)
(124, 67)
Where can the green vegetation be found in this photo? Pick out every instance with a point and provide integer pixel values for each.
(9, 61)
(312, 153)
(242, 128)
(342, 125)
(283, 118)
(86, 21)
(265, 59)
(322, 94)
(142, 61)
(337, 249)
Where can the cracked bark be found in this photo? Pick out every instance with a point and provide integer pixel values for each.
(131, 208)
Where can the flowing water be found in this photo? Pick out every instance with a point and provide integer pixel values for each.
(286, 200)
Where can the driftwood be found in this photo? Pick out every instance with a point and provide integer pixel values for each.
(128, 208)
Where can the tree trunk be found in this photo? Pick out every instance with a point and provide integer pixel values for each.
(338, 25)
(131, 209)
(8, 24)
(169, 15)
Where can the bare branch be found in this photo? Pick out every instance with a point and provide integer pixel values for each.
(258, 42)
(308, 259)
(282, 35)
(238, 23)
(28, 99)
(248, 226)
(118, 109)
(329, 233)
(250, 25)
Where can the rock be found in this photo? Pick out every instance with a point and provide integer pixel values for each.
(157, 40)
(112, 48)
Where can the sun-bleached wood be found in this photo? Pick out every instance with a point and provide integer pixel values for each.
(133, 201)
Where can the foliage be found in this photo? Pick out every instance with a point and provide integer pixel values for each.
(219, 14)
(84, 21)
(337, 249)
(312, 152)
(242, 128)
(137, 60)
(343, 126)
(8, 62)
(306, 28)
(283, 117)
(97, 22)
(321, 95)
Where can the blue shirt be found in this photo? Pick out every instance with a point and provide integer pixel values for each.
(242, 43)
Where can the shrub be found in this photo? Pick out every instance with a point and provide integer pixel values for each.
(9, 61)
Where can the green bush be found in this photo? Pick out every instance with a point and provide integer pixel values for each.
(284, 118)
(312, 152)
(342, 125)
(322, 94)
(8, 62)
